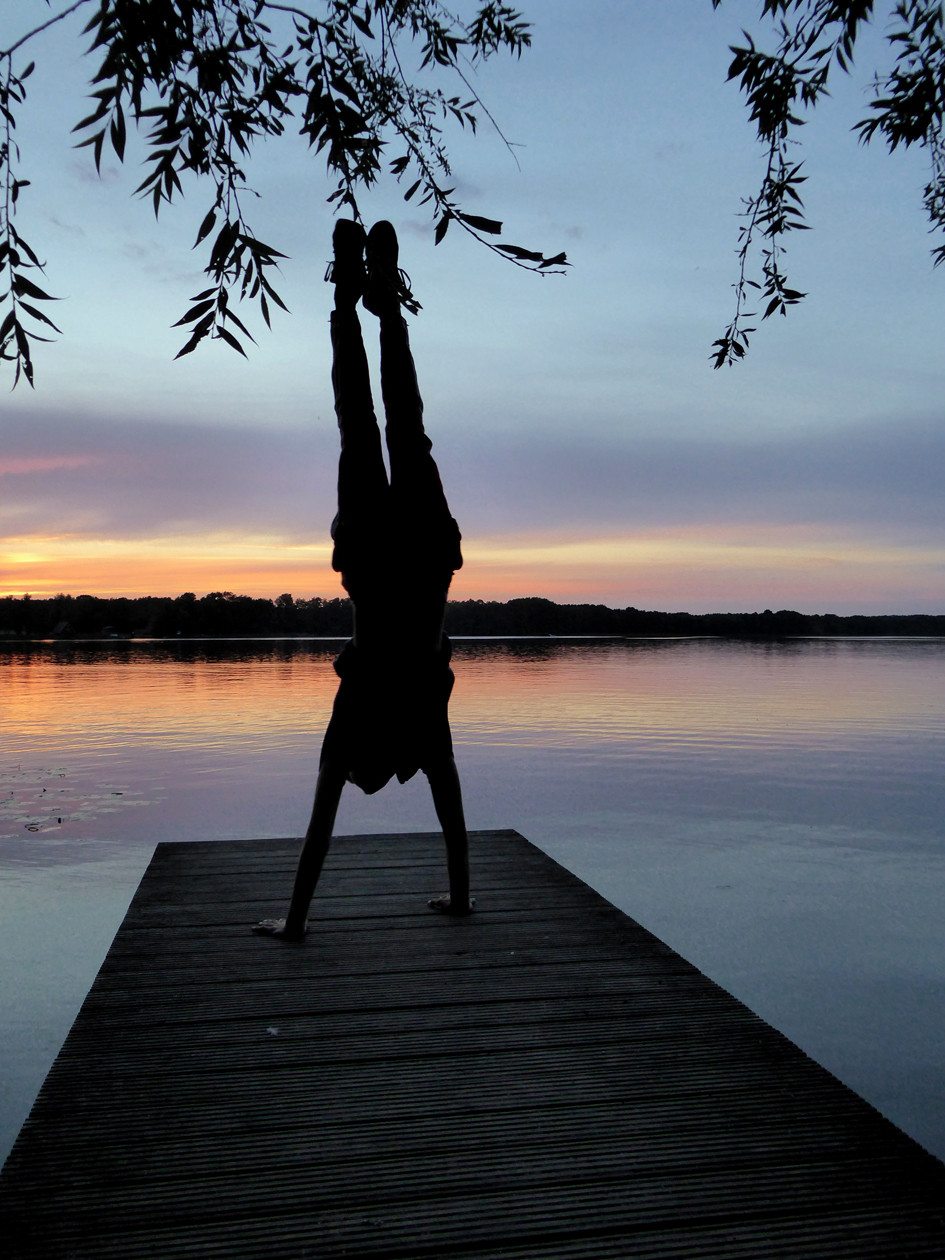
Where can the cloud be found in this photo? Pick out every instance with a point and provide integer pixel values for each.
(41, 463)
(72, 229)
(146, 478)
(845, 517)
(884, 477)
(86, 173)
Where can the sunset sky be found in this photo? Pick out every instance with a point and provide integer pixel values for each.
(589, 451)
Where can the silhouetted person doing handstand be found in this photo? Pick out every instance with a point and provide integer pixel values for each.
(396, 547)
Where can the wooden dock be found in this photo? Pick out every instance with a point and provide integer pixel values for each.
(543, 1081)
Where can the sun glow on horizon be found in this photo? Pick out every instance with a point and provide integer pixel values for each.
(163, 566)
(697, 567)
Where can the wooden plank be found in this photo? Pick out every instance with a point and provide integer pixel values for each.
(543, 1081)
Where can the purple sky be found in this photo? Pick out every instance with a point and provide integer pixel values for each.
(589, 451)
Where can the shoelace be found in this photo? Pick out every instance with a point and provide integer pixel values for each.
(401, 287)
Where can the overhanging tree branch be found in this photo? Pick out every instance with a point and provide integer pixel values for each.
(812, 38)
(208, 79)
(44, 26)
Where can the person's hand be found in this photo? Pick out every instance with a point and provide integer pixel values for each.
(277, 928)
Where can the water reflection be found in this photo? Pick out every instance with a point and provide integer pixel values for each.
(773, 810)
(809, 731)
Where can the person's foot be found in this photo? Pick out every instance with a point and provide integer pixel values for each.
(277, 928)
(346, 271)
(444, 905)
(388, 288)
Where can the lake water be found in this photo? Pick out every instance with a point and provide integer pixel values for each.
(773, 811)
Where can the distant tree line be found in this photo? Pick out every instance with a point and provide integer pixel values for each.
(542, 616)
(221, 614)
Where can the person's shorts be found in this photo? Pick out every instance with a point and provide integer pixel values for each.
(378, 541)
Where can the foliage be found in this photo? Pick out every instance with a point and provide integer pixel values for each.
(207, 79)
(812, 38)
(221, 614)
(16, 257)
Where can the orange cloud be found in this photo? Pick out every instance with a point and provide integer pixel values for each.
(251, 566)
(725, 567)
(43, 463)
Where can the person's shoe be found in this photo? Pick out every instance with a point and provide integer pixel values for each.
(388, 288)
(346, 271)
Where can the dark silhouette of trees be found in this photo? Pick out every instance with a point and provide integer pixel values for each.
(208, 79)
(223, 615)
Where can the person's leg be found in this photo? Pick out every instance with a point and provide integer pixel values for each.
(328, 788)
(415, 478)
(362, 478)
(416, 489)
(448, 803)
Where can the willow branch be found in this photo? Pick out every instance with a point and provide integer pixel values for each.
(8, 52)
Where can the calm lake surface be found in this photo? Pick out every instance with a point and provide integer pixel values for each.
(773, 811)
